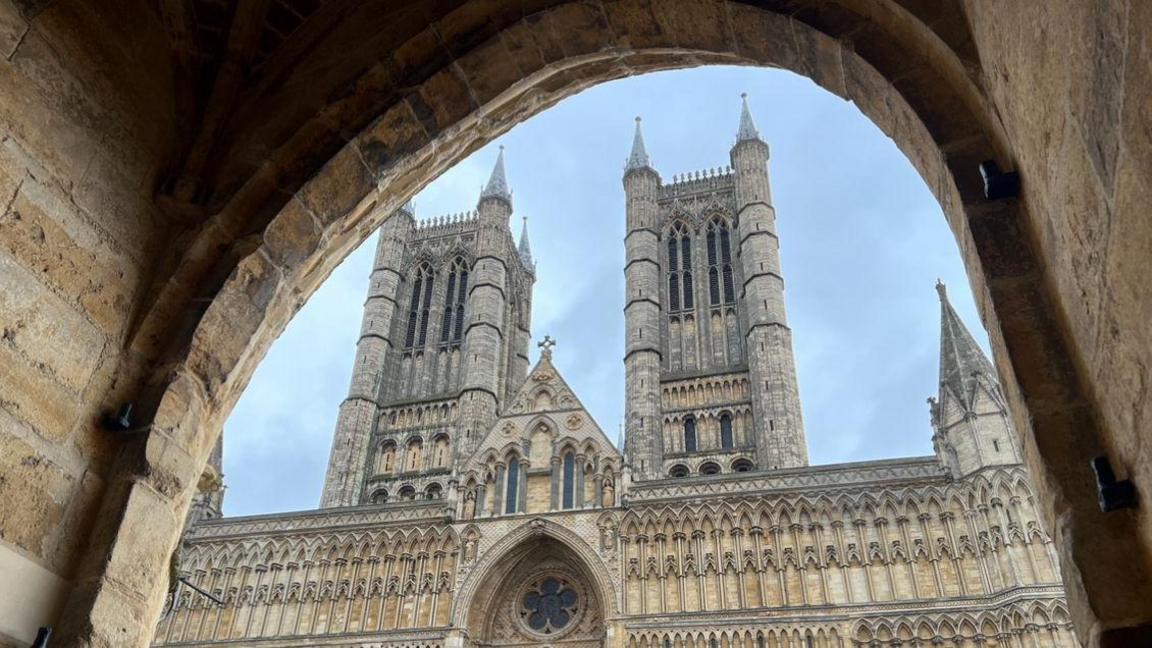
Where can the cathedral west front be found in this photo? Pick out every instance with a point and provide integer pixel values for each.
(471, 499)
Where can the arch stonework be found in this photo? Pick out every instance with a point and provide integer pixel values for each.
(491, 567)
(932, 78)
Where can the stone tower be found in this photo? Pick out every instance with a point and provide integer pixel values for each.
(970, 420)
(709, 369)
(443, 344)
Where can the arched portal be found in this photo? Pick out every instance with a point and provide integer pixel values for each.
(540, 585)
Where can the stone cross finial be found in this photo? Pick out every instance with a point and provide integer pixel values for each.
(546, 346)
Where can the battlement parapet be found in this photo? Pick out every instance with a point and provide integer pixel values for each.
(447, 224)
(701, 181)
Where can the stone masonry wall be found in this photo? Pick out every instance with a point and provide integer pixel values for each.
(83, 123)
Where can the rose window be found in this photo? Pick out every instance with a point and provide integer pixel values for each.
(549, 605)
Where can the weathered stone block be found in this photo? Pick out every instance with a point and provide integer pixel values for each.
(40, 486)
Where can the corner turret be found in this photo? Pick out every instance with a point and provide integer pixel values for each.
(970, 415)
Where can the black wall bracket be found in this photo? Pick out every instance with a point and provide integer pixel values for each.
(999, 185)
(1114, 495)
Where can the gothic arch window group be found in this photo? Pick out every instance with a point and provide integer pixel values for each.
(580, 474)
(419, 306)
(720, 284)
(679, 268)
(452, 328)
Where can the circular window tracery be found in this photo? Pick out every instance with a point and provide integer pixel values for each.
(550, 605)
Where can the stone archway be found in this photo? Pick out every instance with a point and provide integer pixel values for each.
(540, 584)
(911, 71)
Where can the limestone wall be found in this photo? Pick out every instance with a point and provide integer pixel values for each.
(84, 121)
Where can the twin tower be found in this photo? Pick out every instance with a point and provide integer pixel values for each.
(710, 378)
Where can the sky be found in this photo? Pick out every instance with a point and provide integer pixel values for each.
(862, 243)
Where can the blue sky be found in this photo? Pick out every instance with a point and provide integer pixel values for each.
(862, 244)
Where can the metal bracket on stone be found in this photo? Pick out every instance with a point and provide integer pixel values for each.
(999, 185)
(121, 421)
(1114, 495)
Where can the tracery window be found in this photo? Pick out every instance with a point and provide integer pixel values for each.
(720, 285)
(433, 492)
(726, 431)
(452, 328)
(679, 268)
(380, 497)
(689, 434)
(407, 493)
(512, 479)
(549, 606)
(419, 307)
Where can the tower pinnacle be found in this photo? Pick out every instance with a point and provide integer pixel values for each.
(961, 359)
(639, 157)
(497, 186)
(525, 249)
(748, 129)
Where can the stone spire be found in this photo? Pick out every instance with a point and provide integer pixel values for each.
(525, 248)
(409, 209)
(961, 359)
(639, 157)
(748, 129)
(497, 186)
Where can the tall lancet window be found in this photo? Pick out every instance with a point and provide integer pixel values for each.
(569, 466)
(725, 431)
(679, 268)
(512, 478)
(419, 306)
(689, 434)
(720, 285)
(452, 328)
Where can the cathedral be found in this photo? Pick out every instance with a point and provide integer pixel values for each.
(471, 500)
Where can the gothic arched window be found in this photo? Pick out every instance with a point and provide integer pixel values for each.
(689, 434)
(419, 306)
(569, 467)
(726, 431)
(380, 497)
(440, 452)
(513, 478)
(452, 327)
(386, 457)
(407, 493)
(433, 492)
(414, 456)
(679, 268)
(719, 264)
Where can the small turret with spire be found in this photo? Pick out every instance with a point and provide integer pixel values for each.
(497, 187)
(638, 159)
(969, 415)
(525, 248)
(748, 130)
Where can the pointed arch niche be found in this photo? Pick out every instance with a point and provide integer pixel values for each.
(539, 585)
